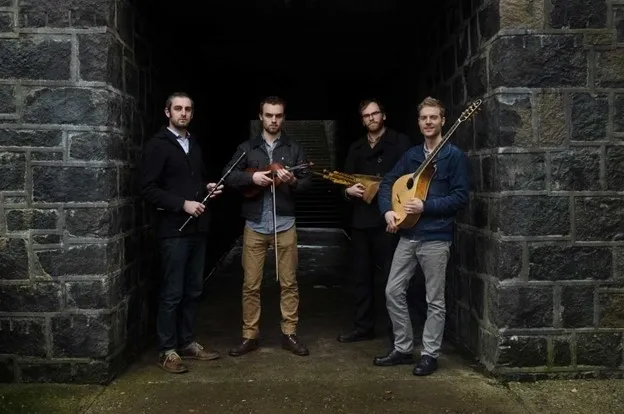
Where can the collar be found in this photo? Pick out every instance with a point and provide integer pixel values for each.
(419, 155)
(388, 138)
(259, 141)
(178, 136)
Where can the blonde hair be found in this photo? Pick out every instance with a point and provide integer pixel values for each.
(429, 101)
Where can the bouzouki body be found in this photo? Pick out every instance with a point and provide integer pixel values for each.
(407, 187)
(416, 185)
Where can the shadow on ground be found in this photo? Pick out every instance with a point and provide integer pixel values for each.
(335, 378)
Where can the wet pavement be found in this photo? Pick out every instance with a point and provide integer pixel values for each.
(334, 378)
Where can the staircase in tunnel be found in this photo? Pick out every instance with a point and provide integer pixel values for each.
(320, 206)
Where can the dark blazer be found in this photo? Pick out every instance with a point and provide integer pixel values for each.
(362, 159)
(447, 194)
(287, 152)
(168, 177)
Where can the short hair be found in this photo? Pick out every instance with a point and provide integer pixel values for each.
(429, 101)
(366, 102)
(272, 100)
(178, 95)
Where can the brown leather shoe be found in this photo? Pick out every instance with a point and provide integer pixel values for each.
(247, 345)
(196, 351)
(171, 362)
(294, 345)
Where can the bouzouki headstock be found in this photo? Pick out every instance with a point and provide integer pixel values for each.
(472, 109)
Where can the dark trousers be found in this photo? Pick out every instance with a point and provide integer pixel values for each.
(182, 281)
(372, 251)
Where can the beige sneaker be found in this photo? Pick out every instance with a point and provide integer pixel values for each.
(171, 362)
(196, 351)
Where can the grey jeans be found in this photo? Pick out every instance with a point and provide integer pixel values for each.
(433, 257)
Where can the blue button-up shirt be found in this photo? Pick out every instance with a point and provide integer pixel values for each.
(266, 225)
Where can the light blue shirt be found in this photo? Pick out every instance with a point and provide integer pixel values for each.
(265, 225)
(183, 141)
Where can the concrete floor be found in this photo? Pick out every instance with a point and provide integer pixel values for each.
(335, 378)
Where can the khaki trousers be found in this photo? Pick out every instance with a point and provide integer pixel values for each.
(255, 247)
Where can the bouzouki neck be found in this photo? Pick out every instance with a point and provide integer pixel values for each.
(468, 112)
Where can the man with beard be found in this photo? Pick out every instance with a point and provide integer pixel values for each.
(263, 224)
(427, 243)
(173, 180)
(372, 247)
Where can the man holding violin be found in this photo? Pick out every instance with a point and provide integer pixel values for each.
(268, 182)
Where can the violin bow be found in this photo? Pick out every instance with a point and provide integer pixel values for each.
(275, 232)
(293, 168)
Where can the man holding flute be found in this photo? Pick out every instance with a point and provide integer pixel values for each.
(173, 180)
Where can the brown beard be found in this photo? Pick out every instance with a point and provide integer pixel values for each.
(179, 125)
(374, 128)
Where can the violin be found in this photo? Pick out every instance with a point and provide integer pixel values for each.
(273, 167)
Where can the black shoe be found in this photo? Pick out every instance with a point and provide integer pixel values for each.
(246, 345)
(426, 366)
(394, 358)
(356, 336)
(294, 345)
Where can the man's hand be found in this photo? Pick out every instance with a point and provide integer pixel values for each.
(194, 208)
(356, 190)
(262, 178)
(414, 206)
(391, 218)
(216, 192)
(286, 176)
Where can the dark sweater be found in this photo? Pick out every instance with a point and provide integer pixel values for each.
(287, 152)
(168, 177)
(362, 159)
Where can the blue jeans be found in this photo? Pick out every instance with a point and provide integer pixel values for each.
(182, 261)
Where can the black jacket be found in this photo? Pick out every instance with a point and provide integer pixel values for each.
(168, 177)
(362, 159)
(287, 152)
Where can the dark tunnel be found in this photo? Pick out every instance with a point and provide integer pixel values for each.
(323, 58)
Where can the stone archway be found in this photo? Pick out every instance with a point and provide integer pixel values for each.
(536, 287)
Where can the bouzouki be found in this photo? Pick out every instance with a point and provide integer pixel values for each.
(416, 185)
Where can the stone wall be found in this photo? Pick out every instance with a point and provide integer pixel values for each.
(73, 262)
(537, 285)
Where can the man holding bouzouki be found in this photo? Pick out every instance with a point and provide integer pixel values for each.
(420, 198)
(270, 172)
